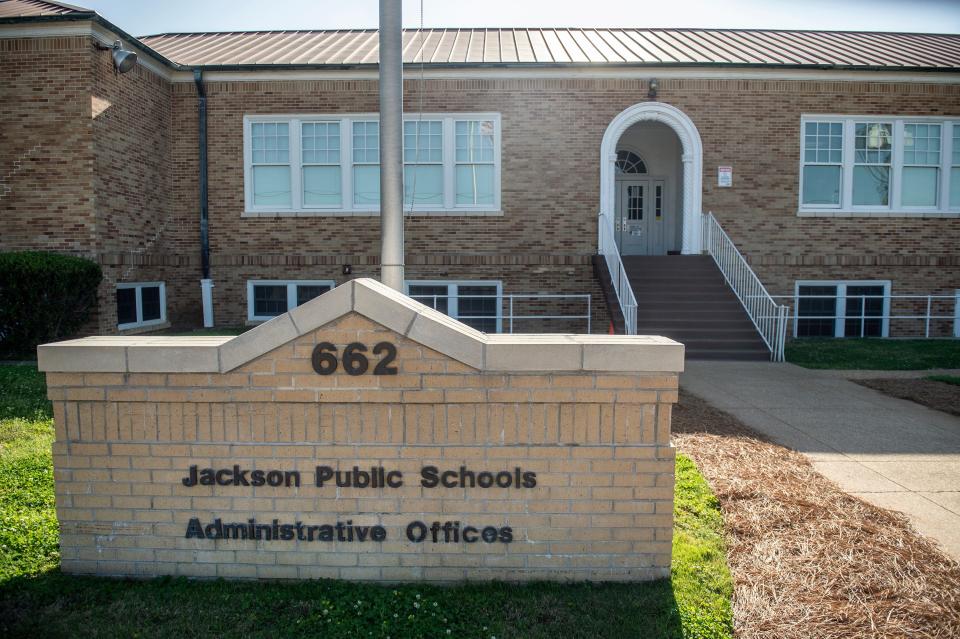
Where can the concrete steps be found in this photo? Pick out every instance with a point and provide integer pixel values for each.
(685, 297)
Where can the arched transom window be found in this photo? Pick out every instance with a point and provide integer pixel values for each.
(629, 162)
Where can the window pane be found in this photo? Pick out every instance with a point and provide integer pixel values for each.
(821, 184)
(871, 185)
(423, 141)
(479, 312)
(816, 311)
(921, 144)
(428, 182)
(366, 142)
(920, 186)
(474, 184)
(474, 141)
(321, 186)
(366, 184)
(320, 142)
(126, 306)
(434, 296)
(955, 187)
(271, 186)
(270, 141)
(269, 300)
(150, 300)
(873, 142)
(863, 303)
(306, 292)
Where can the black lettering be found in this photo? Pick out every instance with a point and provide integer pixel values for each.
(300, 536)
(449, 479)
(275, 478)
(489, 534)
(235, 531)
(429, 477)
(465, 475)
(224, 477)
(361, 478)
(326, 533)
(469, 530)
(210, 531)
(310, 532)
(264, 529)
(349, 530)
(435, 530)
(207, 477)
(529, 480)
(276, 529)
(292, 477)
(506, 534)
(362, 532)
(504, 476)
(194, 529)
(394, 479)
(416, 531)
(256, 478)
(340, 536)
(191, 478)
(343, 479)
(378, 533)
(485, 479)
(323, 474)
(286, 532)
(240, 476)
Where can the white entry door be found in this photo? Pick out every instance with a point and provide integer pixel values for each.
(641, 223)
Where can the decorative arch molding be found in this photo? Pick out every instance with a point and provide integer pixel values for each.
(692, 158)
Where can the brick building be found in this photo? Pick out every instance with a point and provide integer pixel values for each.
(830, 160)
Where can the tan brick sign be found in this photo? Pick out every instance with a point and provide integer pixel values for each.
(365, 436)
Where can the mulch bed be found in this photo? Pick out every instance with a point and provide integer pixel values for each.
(807, 559)
(930, 393)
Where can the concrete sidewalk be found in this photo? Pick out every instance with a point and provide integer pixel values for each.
(891, 452)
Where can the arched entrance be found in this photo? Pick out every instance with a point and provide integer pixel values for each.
(691, 158)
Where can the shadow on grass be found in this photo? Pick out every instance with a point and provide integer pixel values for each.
(57, 605)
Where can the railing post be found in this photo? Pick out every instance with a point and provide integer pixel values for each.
(956, 313)
(927, 322)
(511, 314)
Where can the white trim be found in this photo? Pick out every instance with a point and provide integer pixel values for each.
(692, 158)
(139, 286)
(894, 208)
(841, 305)
(453, 296)
(347, 206)
(291, 294)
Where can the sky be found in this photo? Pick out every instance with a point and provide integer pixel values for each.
(145, 17)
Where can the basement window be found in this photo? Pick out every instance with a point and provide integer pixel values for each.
(477, 304)
(141, 304)
(268, 298)
(842, 309)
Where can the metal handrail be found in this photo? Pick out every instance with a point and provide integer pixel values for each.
(618, 274)
(511, 316)
(769, 318)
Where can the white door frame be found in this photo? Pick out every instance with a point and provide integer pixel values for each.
(692, 158)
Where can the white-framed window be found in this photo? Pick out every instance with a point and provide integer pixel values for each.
(872, 165)
(268, 298)
(330, 164)
(141, 304)
(475, 303)
(844, 308)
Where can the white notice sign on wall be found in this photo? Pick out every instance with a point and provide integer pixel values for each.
(724, 176)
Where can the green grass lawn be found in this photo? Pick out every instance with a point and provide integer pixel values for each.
(946, 379)
(36, 600)
(875, 354)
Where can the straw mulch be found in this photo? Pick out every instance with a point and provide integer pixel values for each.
(807, 559)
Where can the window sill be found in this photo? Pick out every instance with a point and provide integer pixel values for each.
(882, 213)
(373, 213)
(143, 328)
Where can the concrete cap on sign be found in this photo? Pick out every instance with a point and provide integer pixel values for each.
(380, 304)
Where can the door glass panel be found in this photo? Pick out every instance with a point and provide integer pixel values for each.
(864, 311)
(635, 202)
(150, 302)
(658, 202)
(816, 311)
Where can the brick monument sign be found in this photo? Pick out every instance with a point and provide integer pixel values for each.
(365, 436)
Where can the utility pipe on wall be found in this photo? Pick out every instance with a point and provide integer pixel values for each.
(206, 284)
(391, 144)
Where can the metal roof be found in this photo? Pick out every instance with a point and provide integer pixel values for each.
(568, 46)
(36, 8)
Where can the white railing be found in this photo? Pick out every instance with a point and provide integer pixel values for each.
(504, 309)
(769, 317)
(618, 274)
(934, 315)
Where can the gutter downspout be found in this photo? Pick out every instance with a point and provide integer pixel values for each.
(206, 284)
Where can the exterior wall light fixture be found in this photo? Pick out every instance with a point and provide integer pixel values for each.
(123, 59)
(653, 85)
